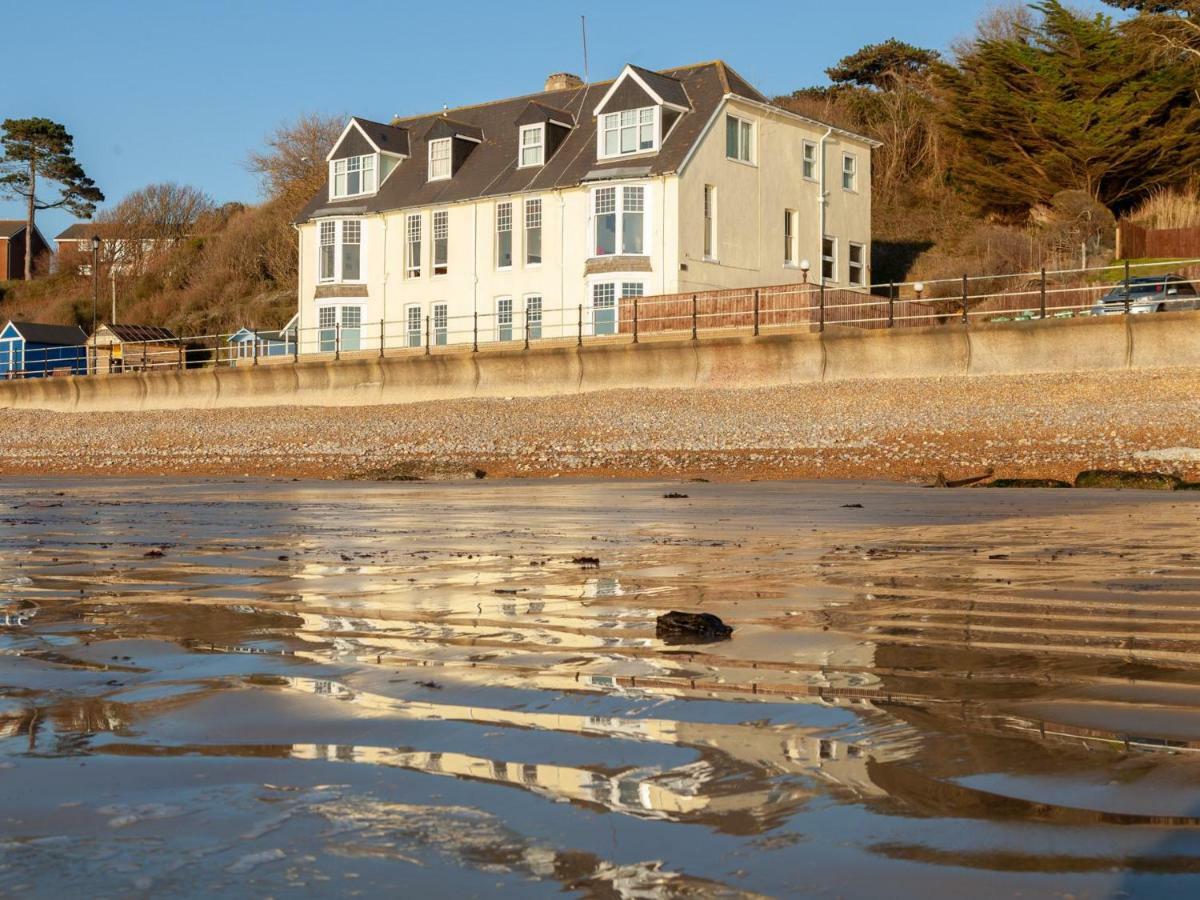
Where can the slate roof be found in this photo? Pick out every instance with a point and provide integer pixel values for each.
(490, 169)
(82, 231)
(10, 228)
(51, 335)
(136, 333)
(387, 138)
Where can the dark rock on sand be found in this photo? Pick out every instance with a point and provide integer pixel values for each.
(691, 628)
(1123, 480)
(1029, 483)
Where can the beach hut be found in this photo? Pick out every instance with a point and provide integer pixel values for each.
(246, 345)
(33, 350)
(121, 348)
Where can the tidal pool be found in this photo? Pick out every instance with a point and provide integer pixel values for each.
(313, 688)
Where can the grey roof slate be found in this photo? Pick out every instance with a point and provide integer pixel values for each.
(490, 169)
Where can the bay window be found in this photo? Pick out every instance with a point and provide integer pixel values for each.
(620, 220)
(339, 251)
(352, 177)
(339, 328)
(628, 131)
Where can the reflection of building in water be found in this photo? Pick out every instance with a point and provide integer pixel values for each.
(732, 785)
(602, 587)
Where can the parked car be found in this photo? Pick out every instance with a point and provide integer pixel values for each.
(1151, 293)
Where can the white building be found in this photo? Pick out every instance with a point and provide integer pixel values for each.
(539, 213)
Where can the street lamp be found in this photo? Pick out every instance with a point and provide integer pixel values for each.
(804, 267)
(95, 294)
(919, 287)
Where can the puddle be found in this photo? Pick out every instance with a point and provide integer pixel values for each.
(343, 687)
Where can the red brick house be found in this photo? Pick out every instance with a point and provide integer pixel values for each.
(12, 249)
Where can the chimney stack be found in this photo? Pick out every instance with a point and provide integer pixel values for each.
(563, 81)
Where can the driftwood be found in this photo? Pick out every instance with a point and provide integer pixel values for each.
(941, 480)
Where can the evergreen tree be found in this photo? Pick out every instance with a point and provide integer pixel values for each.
(1068, 103)
(36, 152)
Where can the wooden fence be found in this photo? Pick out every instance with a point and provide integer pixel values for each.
(1135, 242)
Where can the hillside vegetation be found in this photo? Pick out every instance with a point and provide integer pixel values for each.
(1019, 147)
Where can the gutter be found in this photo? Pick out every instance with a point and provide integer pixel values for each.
(822, 203)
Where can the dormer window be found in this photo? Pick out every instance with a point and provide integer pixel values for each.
(533, 145)
(439, 159)
(628, 131)
(352, 176)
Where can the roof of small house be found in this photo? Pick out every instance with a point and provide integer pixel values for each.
(139, 333)
(51, 335)
(10, 228)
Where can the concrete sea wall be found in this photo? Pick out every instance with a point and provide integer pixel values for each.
(839, 354)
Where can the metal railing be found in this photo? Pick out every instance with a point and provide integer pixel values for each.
(1064, 293)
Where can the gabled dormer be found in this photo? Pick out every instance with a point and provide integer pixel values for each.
(541, 130)
(363, 157)
(448, 144)
(637, 112)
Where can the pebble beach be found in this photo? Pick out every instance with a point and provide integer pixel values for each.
(1031, 426)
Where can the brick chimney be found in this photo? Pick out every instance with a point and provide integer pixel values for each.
(563, 81)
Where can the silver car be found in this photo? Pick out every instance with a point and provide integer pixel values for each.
(1151, 293)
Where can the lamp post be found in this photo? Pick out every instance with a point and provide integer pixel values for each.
(95, 296)
(919, 287)
(804, 267)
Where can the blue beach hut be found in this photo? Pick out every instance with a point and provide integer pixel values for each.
(270, 343)
(33, 350)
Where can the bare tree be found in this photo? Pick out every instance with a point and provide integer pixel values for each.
(292, 167)
(148, 223)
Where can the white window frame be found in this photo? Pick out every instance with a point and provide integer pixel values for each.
(620, 212)
(809, 161)
(441, 216)
(409, 332)
(603, 126)
(413, 269)
(511, 314)
(861, 265)
(540, 146)
(339, 323)
(368, 163)
(501, 218)
(791, 238)
(620, 286)
(532, 212)
(448, 143)
(709, 247)
(534, 300)
(339, 229)
(830, 258)
(441, 324)
(752, 152)
(852, 171)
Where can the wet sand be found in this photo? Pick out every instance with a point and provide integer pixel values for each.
(267, 688)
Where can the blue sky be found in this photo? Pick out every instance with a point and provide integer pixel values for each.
(158, 91)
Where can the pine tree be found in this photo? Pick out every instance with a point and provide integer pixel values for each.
(36, 152)
(1068, 103)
